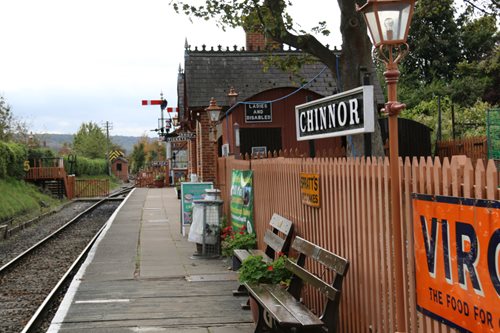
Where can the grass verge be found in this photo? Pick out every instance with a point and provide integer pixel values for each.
(18, 198)
(113, 181)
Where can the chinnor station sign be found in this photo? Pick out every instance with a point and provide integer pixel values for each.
(347, 113)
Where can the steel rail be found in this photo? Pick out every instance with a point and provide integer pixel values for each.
(40, 313)
(70, 222)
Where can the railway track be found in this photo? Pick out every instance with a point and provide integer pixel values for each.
(32, 283)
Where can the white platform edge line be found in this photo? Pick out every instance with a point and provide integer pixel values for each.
(100, 301)
(63, 309)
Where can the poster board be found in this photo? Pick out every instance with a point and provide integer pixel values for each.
(191, 191)
(457, 262)
(242, 200)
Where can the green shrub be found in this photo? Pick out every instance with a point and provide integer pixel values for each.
(41, 154)
(12, 157)
(87, 166)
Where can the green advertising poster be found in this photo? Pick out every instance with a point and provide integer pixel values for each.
(190, 192)
(242, 199)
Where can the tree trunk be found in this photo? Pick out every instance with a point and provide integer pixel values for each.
(356, 63)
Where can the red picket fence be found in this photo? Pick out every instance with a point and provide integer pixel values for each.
(354, 221)
(474, 148)
(88, 188)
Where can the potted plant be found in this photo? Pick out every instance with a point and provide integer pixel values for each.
(160, 180)
(236, 239)
(255, 270)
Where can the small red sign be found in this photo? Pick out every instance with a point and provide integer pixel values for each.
(151, 102)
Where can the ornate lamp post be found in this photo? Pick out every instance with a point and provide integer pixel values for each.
(388, 22)
(232, 95)
(213, 111)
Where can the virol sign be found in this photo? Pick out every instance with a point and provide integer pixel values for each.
(347, 113)
(457, 261)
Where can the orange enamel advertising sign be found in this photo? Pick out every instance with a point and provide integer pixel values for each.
(457, 261)
(309, 189)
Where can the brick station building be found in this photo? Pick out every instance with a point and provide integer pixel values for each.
(213, 72)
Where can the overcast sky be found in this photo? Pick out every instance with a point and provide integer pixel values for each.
(64, 62)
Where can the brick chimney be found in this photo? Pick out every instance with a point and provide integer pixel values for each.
(256, 40)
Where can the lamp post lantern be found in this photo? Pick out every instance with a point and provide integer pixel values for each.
(213, 111)
(388, 22)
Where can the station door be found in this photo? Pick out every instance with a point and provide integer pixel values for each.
(260, 137)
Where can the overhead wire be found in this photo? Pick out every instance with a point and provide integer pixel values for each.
(231, 109)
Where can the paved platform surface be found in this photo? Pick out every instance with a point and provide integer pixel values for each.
(140, 277)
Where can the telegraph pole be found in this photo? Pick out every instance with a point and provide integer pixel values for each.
(108, 126)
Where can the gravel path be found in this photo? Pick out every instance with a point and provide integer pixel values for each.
(24, 239)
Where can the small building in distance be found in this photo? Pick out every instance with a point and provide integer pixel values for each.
(119, 168)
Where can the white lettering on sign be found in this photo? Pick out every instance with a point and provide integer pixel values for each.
(324, 118)
(346, 113)
(258, 112)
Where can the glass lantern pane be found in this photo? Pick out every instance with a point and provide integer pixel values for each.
(393, 19)
(214, 115)
(405, 15)
(371, 20)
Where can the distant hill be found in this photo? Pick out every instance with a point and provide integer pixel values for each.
(56, 141)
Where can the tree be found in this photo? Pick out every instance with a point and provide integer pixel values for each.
(464, 77)
(434, 42)
(271, 18)
(5, 120)
(90, 141)
(138, 157)
(10, 127)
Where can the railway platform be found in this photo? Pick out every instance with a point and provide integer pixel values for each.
(140, 277)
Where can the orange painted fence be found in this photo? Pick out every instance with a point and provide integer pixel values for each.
(87, 188)
(353, 220)
(474, 148)
(44, 173)
(147, 177)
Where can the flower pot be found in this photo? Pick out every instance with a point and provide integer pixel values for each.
(254, 308)
(159, 183)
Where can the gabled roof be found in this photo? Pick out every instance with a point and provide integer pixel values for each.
(120, 159)
(211, 73)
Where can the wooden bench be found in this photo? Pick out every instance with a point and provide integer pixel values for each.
(274, 244)
(281, 309)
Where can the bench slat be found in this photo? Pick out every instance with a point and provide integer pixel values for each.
(241, 254)
(282, 224)
(274, 241)
(256, 252)
(299, 310)
(270, 303)
(313, 280)
(327, 258)
(285, 309)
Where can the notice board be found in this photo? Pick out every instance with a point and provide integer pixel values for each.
(457, 261)
(309, 189)
(241, 204)
(191, 191)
